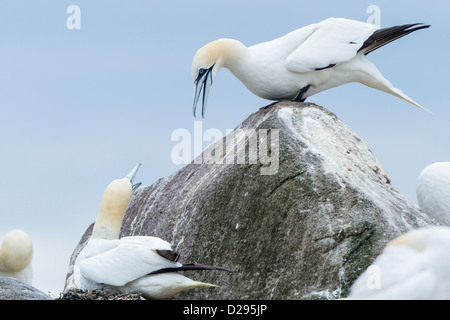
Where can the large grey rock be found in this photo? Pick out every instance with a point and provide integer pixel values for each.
(304, 231)
(13, 289)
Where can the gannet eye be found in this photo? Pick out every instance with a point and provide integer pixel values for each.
(201, 71)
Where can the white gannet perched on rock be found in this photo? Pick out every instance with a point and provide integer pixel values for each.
(414, 266)
(16, 252)
(133, 264)
(433, 191)
(304, 62)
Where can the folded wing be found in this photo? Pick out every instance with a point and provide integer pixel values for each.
(132, 258)
(334, 41)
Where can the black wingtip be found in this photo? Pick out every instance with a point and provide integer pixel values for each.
(195, 266)
(190, 267)
(168, 254)
(384, 36)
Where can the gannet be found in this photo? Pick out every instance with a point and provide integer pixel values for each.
(433, 191)
(16, 253)
(302, 63)
(132, 264)
(414, 266)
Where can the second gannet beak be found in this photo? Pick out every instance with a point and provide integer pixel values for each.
(132, 175)
(202, 83)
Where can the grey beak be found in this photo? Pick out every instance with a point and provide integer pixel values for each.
(133, 172)
(202, 84)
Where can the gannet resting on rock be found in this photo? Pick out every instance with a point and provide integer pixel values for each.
(414, 266)
(304, 62)
(16, 252)
(433, 191)
(134, 264)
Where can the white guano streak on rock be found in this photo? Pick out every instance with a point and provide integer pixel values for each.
(181, 218)
(138, 221)
(341, 158)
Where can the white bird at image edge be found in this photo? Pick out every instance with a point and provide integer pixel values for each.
(433, 191)
(414, 266)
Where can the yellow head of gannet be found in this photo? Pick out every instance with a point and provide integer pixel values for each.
(16, 252)
(113, 206)
(208, 61)
(301, 63)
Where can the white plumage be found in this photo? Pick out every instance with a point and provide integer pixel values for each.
(433, 191)
(412, 267)
(302, 63)
(104, 261)
(16, 253)
(124, 265)
(134, 264)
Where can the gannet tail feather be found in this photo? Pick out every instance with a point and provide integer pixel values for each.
(384, 36)
(190, 266)
(400, 94)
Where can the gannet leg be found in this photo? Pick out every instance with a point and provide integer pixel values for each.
(301, 93)
(269, 105)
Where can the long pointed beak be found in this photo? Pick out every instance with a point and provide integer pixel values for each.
(133, 172)
(202, 85)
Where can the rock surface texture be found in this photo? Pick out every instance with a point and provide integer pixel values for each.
(303, 226)
(13, 289)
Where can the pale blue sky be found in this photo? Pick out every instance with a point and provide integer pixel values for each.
(81, 107)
